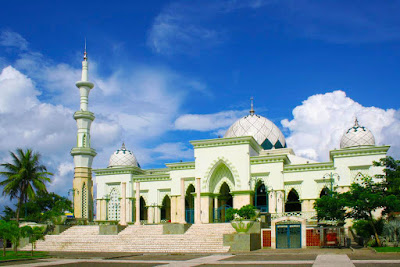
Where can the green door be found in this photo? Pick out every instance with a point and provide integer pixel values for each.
(288, 236)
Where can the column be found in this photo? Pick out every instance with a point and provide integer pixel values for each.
(150, 214)
(137, 193)
(98, 209)
(198, 202)
(157, 214)
(215, 208)
(123, 205)
(182, 204)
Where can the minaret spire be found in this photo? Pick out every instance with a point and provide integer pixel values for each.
(252, 106)
(356, 122)
(83, 153)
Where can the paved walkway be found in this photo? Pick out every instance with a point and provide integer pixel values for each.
(308, 257)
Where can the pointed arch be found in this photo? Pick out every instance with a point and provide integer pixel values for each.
(166, 209)
(143, 209)
(220, 174)
(235, 181)
(324, 192)
(293, 203)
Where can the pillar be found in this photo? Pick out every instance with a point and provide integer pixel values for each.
(123, 205)
(98, 209)
(137, 194)
(157, 214)
(150, 214)
(198, 202)
(182, 202)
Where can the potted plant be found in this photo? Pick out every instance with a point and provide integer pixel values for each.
(242, 219)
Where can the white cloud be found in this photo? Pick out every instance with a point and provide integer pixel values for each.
(13, 39)
(173, 151)
(320, 121)
(208, 122)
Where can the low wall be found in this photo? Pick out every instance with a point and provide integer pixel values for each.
(110, 229)
(175, 228)
(242, 241)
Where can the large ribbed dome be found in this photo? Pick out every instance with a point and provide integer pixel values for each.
(357, 136)
(264, 131)
(123, 157)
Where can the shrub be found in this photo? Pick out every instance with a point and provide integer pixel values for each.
(247, 212)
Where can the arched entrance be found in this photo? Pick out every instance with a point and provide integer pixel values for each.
(143, 209)
(324, 192)
(189, 204)
(225, 201)
(293, 202)
(114, 206)
(166, 209)
(261, 197)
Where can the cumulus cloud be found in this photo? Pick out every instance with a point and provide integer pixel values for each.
(13, 39)
(208, 122)
(320, 121)
(173, 151)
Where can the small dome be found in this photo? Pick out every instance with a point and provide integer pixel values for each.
(264, 131)
(123, 157)
(357, 136)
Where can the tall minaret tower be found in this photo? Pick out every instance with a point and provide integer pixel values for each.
(83, 154)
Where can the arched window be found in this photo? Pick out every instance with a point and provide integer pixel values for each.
(84, 201)
(292, 202)
(143, 209)
(261, 197)
(324, 192)
(114, 206)
(166, 209)
(189, 204)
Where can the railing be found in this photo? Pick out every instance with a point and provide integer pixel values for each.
(308, 215)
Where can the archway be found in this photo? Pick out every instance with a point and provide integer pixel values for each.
(292, 202)
(324, 192)
(189, 204)
(166, 209)
(143, 209)
(114, 206)
(261, 197)
(225, 201)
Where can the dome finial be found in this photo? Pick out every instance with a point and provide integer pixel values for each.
(85, 53)
(356, 122)
(123, 146)
(252, 106)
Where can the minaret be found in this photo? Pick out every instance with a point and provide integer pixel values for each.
(83, 154)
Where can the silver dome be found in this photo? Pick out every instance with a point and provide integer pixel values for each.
(357, 136)
(264, 131)
(123, 157)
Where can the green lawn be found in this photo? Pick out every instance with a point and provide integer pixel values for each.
(10, 255)
(387, 249)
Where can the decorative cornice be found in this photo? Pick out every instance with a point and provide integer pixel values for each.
(208, 194)
(309, 167)
(242, 192)
(232, 141)
(84, 83)
(118, 170)
(148, 178)
(257, 174)
(84, 115)
(83, 151)
(181, 165)
(157, 171)
(269, 159)
(292, 182)
(360, 167)
(358, 151)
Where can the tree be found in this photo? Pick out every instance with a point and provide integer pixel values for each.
(43, 207)
(24, 176)
(391, 177)
(365, 198)
(34, 235)
(5, 234)
(331, 207)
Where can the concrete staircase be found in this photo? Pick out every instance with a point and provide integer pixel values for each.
(199, 238)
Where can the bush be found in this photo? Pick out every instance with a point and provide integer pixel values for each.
(247, 212)
(364, 228)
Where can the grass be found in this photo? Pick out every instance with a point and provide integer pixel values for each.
(10, 255)
(387, 249)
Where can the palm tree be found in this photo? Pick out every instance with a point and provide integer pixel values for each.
(24, 176)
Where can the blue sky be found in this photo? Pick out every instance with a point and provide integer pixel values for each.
(167, 72)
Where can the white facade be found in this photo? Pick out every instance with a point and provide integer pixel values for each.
(234, 171)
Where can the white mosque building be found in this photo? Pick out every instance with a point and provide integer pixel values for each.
(251, 164)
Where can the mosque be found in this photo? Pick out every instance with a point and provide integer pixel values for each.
(251, 164)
